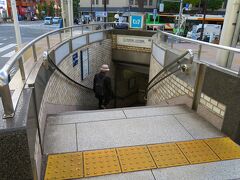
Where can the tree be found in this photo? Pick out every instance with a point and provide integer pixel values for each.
(193, 2)
(44, 8)
(171, 7)
(215, 4)
(51, 8)
(39, 8)
(75, 7)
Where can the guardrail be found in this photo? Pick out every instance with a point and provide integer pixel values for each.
(206, 57)
(202, 50)
(26, 58)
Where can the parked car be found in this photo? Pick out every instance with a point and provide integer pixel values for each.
(56, 20)
(48, 20)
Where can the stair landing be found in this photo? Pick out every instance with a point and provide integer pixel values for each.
(104, 129)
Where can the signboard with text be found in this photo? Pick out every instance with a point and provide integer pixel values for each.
(136, 22)
(101, 14)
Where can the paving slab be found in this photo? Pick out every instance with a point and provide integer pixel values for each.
(221, 170)
(129, 132)
(156, 111)
(198, 127)
(140, 175)
(86, 117)
(60, 138)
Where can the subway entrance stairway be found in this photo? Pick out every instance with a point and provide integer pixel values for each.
(151, 142)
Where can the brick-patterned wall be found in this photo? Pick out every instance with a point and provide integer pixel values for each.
(127, 48)
(60, 91)
(173, 87)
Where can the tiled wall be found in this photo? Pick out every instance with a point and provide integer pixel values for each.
(173, 87)
(61, 91)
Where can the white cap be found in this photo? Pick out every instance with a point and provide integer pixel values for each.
(104, 68)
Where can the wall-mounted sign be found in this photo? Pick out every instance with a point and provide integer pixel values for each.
(75, 59)
(101, 14)
(136, 41)
(84, 64)
(136, 22)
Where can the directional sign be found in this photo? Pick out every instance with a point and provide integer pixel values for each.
(136, 22)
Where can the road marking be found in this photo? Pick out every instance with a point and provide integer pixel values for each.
(8, 55)
(1, 44)
(7, 47)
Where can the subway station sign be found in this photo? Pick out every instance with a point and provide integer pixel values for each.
(136, 22)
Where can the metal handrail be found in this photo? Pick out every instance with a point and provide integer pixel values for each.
(10, 63)
(66, 76)
(7, 101)
(236, 50)
(168, 68)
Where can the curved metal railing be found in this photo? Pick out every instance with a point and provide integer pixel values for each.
(10, 95)
(176, 42)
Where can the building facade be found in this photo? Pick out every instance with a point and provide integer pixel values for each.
(122, 6)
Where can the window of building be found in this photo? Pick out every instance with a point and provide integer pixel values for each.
(136, 2)
(150, 2)
(96, 2)
(107, 1)
(130, 2)
(93, 1)
(145, 2)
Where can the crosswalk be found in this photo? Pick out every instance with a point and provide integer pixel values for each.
(7, 50)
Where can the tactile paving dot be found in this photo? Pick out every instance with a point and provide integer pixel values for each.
(167, 155)
(101, 162)
(135, 158)
(64, 166)
(225, 148)
(197, 152)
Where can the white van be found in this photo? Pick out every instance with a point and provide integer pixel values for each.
(48, 20)
(211, 31)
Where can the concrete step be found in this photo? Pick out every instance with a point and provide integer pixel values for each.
(124, 127)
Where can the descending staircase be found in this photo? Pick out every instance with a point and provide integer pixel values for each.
(82, 131)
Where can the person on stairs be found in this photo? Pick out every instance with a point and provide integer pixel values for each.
(102, 87)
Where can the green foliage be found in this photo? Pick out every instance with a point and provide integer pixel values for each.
(39, 8)
(171, 7)
(193, 2)
(45, 8)
(215, 4)
(75, 8)
(51, 10)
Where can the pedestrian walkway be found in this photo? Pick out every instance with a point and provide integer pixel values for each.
(7, 50)
(138, 143)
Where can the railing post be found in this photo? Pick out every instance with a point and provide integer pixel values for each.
(7, 101)
(198, 86)
(34, 52)
(21, 67)
(199, 51)
(71, 32)
(48, 42)
(60, 36)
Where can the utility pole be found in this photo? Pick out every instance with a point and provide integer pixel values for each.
(204, 18)
(63, 13)
(16, 24)
(229, 30)
(70, 12)
(105, 9)
(180, 15)
(91, 9)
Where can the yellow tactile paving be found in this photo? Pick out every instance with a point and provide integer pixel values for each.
(135, 158)
(197, 152)
(101, 162)
(167, 155)
(64, 166)
(225, 148)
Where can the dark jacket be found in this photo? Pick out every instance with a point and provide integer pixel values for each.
(107, 84)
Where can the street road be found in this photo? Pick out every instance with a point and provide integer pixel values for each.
(29, 31)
